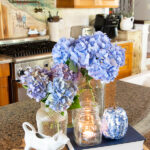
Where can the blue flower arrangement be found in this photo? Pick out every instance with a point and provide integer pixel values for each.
(95, 54)
(94, 57)
(56, 88)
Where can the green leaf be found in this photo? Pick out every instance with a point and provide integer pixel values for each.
(68, 62)
(44, 99)
(76, 103)
(72, 66)
(62, 113)
(85, 74)
(25, 87)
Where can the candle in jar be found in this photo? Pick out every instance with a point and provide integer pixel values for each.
(88, 134)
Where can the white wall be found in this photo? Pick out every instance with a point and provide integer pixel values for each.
(142, 9)
(75, 17)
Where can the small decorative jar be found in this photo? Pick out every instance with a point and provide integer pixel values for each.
(87, 125)
(50, 122)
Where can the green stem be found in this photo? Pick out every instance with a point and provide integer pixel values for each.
(93, 97)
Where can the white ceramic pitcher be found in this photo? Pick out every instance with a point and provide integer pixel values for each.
(39, 141)
(126, 23)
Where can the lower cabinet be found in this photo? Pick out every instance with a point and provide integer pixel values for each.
(4, 84)
(126, 70)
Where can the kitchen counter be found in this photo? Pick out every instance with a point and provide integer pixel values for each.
(120, 42)
(5, 59)
(11, 118)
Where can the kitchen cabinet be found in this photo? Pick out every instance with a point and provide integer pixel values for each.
(136, 37)
(126, 70)
(87, 3)
(4, 84)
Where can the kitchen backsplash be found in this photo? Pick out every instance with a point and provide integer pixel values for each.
(22, 16)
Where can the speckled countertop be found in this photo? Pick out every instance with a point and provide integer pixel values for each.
(11, 118)
(133, 98)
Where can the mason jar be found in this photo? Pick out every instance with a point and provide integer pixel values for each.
(87, 125)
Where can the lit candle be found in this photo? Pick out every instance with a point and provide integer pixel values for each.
(88, 134)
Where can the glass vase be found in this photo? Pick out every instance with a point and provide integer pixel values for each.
(50, 122)
(87, 125)
(92, 91)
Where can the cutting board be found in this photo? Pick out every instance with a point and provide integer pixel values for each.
(4, 31)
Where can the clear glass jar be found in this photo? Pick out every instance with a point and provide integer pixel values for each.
(50, 122)
(92, 91)
(87, 125)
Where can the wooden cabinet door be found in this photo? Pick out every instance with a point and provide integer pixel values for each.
(107, 3)
(87, 3)
(126, 70)
(4, 84)
(84, 3)
(65, 4)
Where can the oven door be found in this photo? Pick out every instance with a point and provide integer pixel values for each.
(18, 92)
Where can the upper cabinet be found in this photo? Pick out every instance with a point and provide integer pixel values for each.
(87, 3)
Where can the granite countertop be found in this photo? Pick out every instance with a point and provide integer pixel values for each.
(11, 118)
(5, 59)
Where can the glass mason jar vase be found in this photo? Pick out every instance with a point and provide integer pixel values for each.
(50, 122)
(87, 125)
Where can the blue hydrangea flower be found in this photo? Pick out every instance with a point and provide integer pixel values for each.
(95, 53)
(60, 52)
(61, 94)
(79, 53)
(36, 80)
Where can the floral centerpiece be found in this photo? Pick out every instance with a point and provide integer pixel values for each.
(88, 57)
(94, 56)
(56, 89)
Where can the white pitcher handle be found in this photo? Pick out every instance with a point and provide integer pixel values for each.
(132, 19)
(25, 126)
(70, 145)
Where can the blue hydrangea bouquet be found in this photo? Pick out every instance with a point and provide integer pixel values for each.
(93, 57)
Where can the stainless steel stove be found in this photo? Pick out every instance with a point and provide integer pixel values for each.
(26, 52)
(27, 49)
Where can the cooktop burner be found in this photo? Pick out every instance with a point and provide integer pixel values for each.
(27, 49)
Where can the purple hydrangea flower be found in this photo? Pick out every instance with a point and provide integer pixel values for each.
(36, 80)
(62, 70)
(61, 94)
